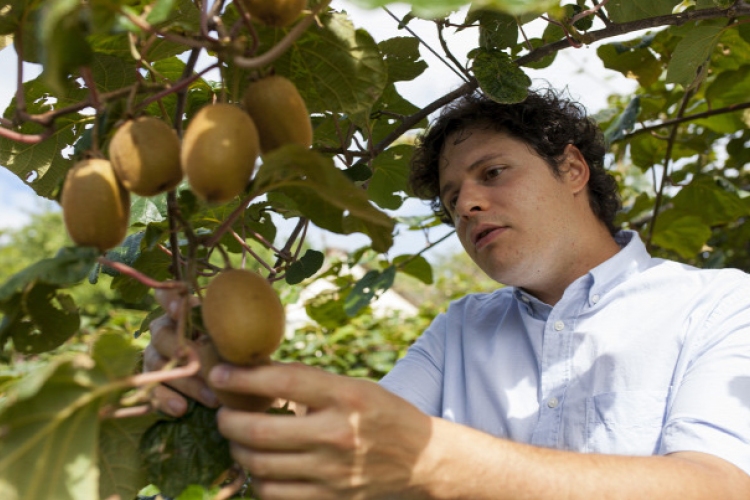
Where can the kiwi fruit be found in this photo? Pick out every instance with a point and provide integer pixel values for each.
(145, 153)
(209, 357)
(243, 316)
(279, 112)
(275, 13)
(218, 154)
(95, 206)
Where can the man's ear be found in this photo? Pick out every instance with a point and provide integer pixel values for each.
(575, 168)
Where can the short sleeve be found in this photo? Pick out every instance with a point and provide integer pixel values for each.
(710, 412)
(418, 376)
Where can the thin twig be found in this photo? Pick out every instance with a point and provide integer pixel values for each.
(284, 44)
(142, 278)
(665, 174)
(426, 45)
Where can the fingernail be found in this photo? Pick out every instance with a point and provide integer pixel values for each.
(177, 406)
(208, 397)
(219, 375)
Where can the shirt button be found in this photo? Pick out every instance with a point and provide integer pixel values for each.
(552, 402)
(559, 325)
(525, 299)
(595, 298)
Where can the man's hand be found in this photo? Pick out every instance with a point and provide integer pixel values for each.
(163, 347)
(357, 440)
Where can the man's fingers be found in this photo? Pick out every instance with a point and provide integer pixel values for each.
(295, 382)
(170, 299)
(168, 401)
(194, 387)
(261, 431)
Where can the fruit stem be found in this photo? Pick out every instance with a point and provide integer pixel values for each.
(139, 276)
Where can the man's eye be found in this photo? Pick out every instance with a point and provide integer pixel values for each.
(493, 172)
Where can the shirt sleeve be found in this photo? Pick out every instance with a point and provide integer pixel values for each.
(710, 412)
(418, 376)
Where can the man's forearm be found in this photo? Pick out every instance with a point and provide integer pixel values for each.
(462, 463)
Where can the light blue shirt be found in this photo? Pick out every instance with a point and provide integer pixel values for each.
(641, 356)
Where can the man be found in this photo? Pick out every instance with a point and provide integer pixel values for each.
(597, 372)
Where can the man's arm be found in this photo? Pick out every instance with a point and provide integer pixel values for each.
(360, 441)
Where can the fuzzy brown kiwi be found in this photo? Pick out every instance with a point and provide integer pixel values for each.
(279, 112)
(243, 316)
(95, 206)
(145, 153)
(219, 149)
(275, 13)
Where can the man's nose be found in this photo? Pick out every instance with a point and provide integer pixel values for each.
(471, 200)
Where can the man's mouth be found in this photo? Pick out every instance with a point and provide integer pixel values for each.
(486, 233)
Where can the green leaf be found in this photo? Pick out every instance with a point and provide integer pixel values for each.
(416, 266)
(147, 210)
(120, 470)
(50, 423)
(709, 201)
(372, 284)
(319, 190)
(337, 68)
(46, 326)
(497, 30)
(308, 265)
(390, 177)
(625, 122)
(115, 354)
(160, 11)
(623, 11)
(154, 263)
(729, 87)
(633, 62)
(685, 234)
(433, 9)
(62, 34)
(499, 77)
(189, 450)
(69, 267)
(402, 58)
(13, 13)
(693, 51)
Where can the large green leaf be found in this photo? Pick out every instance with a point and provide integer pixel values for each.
(402, 58)
(497, 30)
(337, 68)
(499, 77)
(632, 60)
(120, 469)
(709, 201)
(319, 190)
(63, 32)
(685, 234)
(388, 185)
(693, 51)
(50, 422)
(622, 11)
(369, 287)
(69, 267)
(432, 9)
(189, 450)
(42, 166)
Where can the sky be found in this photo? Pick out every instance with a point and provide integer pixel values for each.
(578, 70)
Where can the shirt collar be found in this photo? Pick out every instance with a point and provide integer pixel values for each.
(630, 260)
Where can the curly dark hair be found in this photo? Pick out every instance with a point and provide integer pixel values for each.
(544, 120)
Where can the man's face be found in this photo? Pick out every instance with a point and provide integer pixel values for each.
(512, 214)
